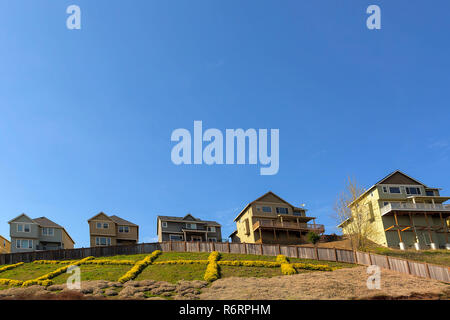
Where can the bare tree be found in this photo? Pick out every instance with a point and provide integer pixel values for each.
(354, 218)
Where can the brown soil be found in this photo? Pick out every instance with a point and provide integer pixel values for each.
(340, 284)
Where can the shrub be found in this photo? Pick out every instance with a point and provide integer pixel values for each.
(312, 237)
(212, 270)
(282, 259)
(242, 263)
(11, 266)
(286, 267)
(314, 267)
(111, 262)
(11, 283)
(139, 266)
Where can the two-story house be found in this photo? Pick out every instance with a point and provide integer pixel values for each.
(402, 213)
(107, 230)
(270, 219)
(5, 245)
(187, 228)
(37, 234)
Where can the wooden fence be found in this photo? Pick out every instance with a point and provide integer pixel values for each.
(415, 268)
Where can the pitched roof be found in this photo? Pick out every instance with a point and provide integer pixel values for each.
(266, 194)
(45, 222)
(121, 221)
(163, 218)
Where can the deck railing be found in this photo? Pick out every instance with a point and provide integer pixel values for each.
(391, 206)
(318, 228)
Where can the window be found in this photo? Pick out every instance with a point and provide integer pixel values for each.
(175, 237)
(212, 229)
(124, 229)
(99, 225)
(23, 227)
(47, 232)
(164, 224)
(267, 209)
(102, 225)
(247, 227)
(430, 193)
(191, 226)
(385, 204)
(281, 210)
(102, 241)
(24, 244)
(105, 226)
(4, 243)
(394, 190)
(300, 214)
(385, 189)
(412, 190)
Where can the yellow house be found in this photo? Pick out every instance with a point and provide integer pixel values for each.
(270, 219)
(5, 245)
(403, 213)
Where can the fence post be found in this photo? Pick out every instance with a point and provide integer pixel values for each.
(428, 270)
(228, 245)
(370, 259)
(213, 246)
(296, 251)
(245, 248)
(388, 262)
(262, 252)
(335, 255)
(317, 253)
(355, 256)
(279, 248)
(198, 246)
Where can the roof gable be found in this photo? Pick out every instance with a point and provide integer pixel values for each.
(399, 177)
(45, 222)
(271, 197)
(22, 218)
(101, 216)
(189, 217)
(121, 221)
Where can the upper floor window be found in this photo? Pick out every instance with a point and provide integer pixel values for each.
(281, 210)
(430, 193)
(124, 229)
(394, 189)
(164, 224)
(23, 227)
(267, 209)
(212, 229)
(412, 190)
(101, 225)
(4, 243)
(47, 232)
(191, 226)
(297, 213)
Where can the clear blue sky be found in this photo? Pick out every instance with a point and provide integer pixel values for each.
(86, 115)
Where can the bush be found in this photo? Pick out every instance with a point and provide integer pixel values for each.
(314, 267)
(313, 237)
(242, 263)
(287, 269)
(11, 283)
(212, 270)
(11, 266)
(139, 266)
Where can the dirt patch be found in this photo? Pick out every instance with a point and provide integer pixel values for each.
(340, 284)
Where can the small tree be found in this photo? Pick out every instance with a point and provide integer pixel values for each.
(354, 218)
(313, 237)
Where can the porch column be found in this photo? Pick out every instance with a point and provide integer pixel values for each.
(298, 223)
(444, 225)
(414, 227)
(260, 235)
(428, 228)
(274, 234)
(398, 229)
(281, 219)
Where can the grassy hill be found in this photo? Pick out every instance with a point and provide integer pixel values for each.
(165, 267)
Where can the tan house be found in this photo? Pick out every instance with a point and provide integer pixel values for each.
(402, 213)
(270, 219)
(107, 230)
(187, 228)
(5, 245)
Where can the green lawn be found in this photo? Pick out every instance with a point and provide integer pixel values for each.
(165, 256)
(28, 271)
(231, 271)
(249, 257)
(441, 257)
(173, 273)
(96, 272)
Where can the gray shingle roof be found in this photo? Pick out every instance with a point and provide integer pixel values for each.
(163, 218)
(121, 221)
(45, 222)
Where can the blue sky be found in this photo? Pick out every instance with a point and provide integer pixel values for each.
(86, 115)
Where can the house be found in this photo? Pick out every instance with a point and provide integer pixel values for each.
(37, 234)
(187, 228)
(402, 212)
(5, 245)
(107, 230)
(270, 219)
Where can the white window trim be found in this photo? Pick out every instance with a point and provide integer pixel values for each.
(30, 241)
(262, 208)
(125, 229)
(98, 241)
(23, 227)
(212, 229)
(48, 234)
(175, 235)
(164, 224)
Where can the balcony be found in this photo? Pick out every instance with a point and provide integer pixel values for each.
(415, 207)
(285, 225)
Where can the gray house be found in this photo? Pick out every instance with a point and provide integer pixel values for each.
(37, 234)
(187, 228)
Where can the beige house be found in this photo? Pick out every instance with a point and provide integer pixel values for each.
(107, 230)
(5, 245)
(270, 219)
(403, 213)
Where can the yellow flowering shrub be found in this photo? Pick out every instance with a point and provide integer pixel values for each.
(42, 280)
(243, 263)
(139, 266)
(111, 262)
(53, 261)
(212, 270)
(11, 266)
(314, 267)
(11, 283)
(182, 262)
